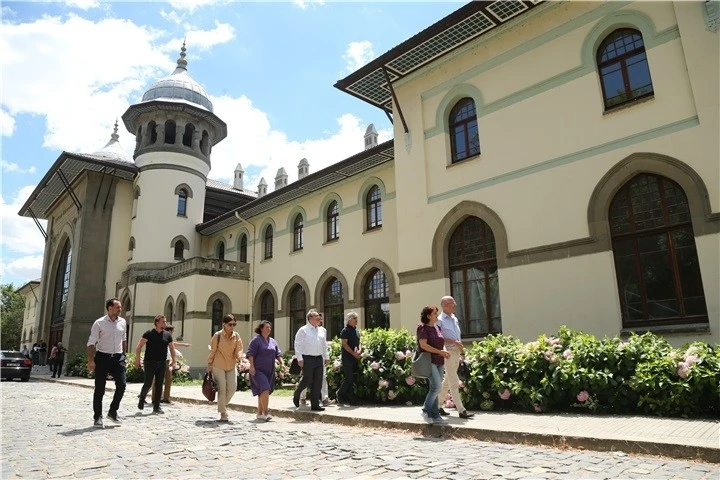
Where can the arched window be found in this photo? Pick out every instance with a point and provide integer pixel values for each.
(131, 248)
(474, 277)
(136, 196)
(298, 309)
(221, 251)
(333, 221)
(179, 250)
(243, 248)
(623, 68)
(182, 203)
(298, 233)
(62, 284)
(152, 128)
(377, 300)
(169, 312)
(334, 307)
(267, 309)
(170, 128)
(373, 205)
(188, 135)
(464, 135)
(656, 261)
(268, 242)
(181, 316)
(205, 143)
(217, 316)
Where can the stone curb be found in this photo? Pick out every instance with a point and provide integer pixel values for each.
(711, 455)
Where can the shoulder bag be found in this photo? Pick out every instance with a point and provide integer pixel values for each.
(421, 363)
(208, 387)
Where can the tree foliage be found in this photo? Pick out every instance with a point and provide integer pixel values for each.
(12, 307)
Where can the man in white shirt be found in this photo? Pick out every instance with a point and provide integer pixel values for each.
(311, 350)
(450, 327)
(106, 349)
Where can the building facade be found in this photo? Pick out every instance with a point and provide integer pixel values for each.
(554, 163)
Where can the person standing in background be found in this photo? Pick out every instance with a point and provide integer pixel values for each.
(58, 356)
(350, 338)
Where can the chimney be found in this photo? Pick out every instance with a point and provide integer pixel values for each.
(262, 188)
(281, 179)
(238, 180)
(371, 137)
(303, 168)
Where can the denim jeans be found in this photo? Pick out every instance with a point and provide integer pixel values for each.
(431, 400)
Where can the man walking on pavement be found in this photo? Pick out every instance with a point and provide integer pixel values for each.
(450, 327)
(106, 355)
(157, 342)
(311, 350)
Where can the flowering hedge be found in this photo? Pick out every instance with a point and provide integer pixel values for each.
(282, 373)
(643, 374)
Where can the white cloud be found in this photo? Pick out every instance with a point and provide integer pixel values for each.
(83, 4)
(189, 5)
(7, 124)
(26, 268)
(202, 40)
(20, 234)
(172, 16)
(254, 143)
(15, 168)
(303, 4)
(358, 54)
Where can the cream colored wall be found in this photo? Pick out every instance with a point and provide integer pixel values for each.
(157, 222)
(545, 149)
(119, 237)
(31, 294)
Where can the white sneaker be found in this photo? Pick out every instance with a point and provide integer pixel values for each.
(262, 418)
(426, 417)
(268, 417)
(439, 421)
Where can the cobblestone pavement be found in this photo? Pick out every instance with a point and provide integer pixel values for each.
(47, 433)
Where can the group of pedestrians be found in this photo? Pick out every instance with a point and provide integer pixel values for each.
(438, 334)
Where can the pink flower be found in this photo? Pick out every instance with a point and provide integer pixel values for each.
(691, 359)
(505, 395)
(583, 396)
(336, 365)
(548, 355)
(408, 354)
(554, 341)
(683, 369)
(374, 365)
(410, 380)
(382, 383)
(461, 384)
(537, 408)
(392, 394)
(449, 401)
(400, 356)
(567, 354)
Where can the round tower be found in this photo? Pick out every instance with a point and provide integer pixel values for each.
(175, 129)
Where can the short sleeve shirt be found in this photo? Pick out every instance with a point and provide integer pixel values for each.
(157, 345)
(434, 338)
(352, 336)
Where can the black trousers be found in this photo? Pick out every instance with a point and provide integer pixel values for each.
(154, 371)
(312, 375)
(345, 392)
(108, 364)
(56, 369)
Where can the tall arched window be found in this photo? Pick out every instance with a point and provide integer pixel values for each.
(152, 128)
(333, 221)
(169, 312)
(188, 135)
(136, 196)
(464, 134)
(179, 249)
(181, 316)
(170, 128)
(474, 277)
(243, 248)
(298, 309)
(62, 284)
(182, 203)
(298, 233)
(656, 261)
(333, 302)
(623, 68)
(268, 242)
(221, 251)
(267, 309)
(217, 316)
(377, 300)
(373, 206)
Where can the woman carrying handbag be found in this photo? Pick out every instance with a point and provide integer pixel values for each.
(226, 350)
(430, 339)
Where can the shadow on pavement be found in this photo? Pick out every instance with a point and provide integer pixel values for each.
(81, 431)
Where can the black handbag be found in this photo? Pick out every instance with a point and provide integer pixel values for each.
(421, 364)
(463, 371)
(295, 367)
(208, 387)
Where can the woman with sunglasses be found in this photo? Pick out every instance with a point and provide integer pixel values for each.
(226, 348)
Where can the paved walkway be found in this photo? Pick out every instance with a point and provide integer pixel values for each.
(672, 437)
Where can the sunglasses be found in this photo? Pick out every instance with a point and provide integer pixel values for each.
(231, 324)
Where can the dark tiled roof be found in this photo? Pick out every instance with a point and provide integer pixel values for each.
(469, 22)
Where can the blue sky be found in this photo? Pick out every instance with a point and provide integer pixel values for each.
(70, 68)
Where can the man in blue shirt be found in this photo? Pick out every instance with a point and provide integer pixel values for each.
(450, 327)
